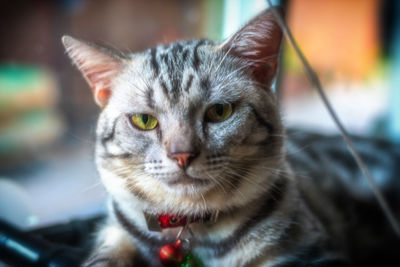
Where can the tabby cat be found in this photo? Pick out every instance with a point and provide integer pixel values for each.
(191, 132)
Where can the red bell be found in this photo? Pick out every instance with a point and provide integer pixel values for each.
(167, 221)
(171, 254)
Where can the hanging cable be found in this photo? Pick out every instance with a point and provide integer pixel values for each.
(317, 84)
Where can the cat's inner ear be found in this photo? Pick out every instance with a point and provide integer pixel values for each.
(98, 66)
(258, 44)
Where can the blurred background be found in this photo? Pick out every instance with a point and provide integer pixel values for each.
(47, 114)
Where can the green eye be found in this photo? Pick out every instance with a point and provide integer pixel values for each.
(219, 112)
(144, 121)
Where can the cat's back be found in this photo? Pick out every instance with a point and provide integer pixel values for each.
(336, 191)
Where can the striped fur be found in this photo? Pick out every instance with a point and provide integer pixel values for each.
(267, 216)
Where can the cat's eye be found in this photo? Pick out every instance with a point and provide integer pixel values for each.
(144, 121)
(218, 112)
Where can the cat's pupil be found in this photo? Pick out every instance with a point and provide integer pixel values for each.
(219, 109)
(145, 118)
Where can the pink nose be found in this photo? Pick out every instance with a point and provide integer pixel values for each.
(183, 159)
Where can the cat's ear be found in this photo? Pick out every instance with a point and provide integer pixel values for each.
(98, 66)
(258, 44)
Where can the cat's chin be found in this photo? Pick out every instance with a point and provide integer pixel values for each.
(187, 185)
(186, 180)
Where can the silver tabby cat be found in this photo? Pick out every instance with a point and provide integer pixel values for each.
(192, 129)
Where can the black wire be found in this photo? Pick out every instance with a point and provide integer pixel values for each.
(317, 84)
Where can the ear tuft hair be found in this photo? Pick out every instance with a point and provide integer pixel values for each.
(258, 43)
(98, 66)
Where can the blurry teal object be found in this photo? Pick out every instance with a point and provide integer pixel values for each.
(394, 115)
(238, 12)
(28, 117)
(12, 76)
(17, 80)
(28, 130)
(213, 18)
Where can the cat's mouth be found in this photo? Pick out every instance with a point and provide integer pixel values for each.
(188, 180)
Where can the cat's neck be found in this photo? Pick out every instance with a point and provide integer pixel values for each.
(279, 186)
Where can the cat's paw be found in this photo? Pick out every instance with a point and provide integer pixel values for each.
(114, 248)
(107, 256)
(104, 261)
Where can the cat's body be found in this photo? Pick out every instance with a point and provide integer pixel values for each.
(192, 129)
(337, 192)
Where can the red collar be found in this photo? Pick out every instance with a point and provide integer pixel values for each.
(170, 220)
(163, 221)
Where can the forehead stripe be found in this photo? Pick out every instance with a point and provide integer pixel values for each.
(189, 83)
(164, 87)
(261, 120)
(149, 98)
(196, 60)
(153, 60)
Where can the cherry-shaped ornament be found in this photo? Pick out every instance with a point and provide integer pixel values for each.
(171, 255)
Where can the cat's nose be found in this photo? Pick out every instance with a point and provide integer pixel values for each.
(183, 159)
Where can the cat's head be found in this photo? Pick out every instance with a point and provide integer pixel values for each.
(191, 125)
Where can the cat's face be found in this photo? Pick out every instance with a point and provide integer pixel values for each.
(191, 124)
